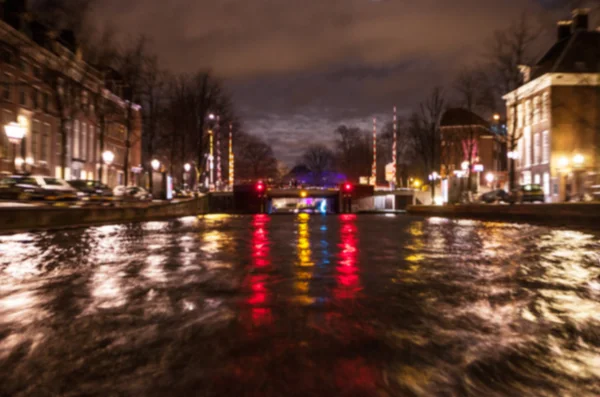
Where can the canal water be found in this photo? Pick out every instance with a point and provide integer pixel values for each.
(301, 305)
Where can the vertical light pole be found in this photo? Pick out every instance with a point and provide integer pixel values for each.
(395, 148)
(218, 131)
(15, 134)
(231, 158)
(211, 167)
(186, 174)
(374, 166)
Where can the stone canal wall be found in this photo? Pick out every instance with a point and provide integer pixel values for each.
(562, 213)
(34, 218)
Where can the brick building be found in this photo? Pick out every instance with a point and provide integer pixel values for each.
(43, 76)
(556, 113)
(468, 138)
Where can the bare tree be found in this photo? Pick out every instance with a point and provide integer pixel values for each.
(131, 64)
(255, 158)
(425, 130)
(353, 150)
(510, 49)
(319, 159)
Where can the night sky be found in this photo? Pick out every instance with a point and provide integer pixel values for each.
(299, 68)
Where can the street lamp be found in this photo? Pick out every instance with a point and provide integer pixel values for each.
(19, 162)
(496, 117)
(563, 162)
(155, 164)
(15, 133)
(187, 167)
(490, 178)
(578, 159)
(108, 157)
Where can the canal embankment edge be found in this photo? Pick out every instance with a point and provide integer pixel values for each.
(22, 219)
(559, 213)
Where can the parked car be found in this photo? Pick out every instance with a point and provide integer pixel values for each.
(131, 193)
(529, 193)
(19, 187)
(56, 189)
(495, 196)
(180, 193)
(92, 190)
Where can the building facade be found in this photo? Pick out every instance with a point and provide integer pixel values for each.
(46, 87)
(466, 138)
(555, 115)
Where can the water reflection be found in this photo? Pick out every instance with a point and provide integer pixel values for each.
(348, 283)
(304, 305)
(259, 281)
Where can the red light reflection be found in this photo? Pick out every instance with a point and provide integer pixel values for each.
(260, 314)
(347, 277)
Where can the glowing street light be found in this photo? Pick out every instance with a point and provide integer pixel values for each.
(578, 159)
(19, 162)
(490, 177)
(496, 117)
(155, 164)
(212, 116)
(15, 132)
(108, 157)
(187, 167)
(563, 162)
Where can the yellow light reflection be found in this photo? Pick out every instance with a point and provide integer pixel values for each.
(302, 286)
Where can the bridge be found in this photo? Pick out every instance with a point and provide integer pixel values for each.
(260, 198)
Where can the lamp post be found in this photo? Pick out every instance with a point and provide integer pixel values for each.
(186, 171)
(16, 133)
(155, 164)
(107, 158)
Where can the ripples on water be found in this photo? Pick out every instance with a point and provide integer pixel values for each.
(302, 306)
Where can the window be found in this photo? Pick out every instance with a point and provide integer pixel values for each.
(537, 179)
(46, 101)
(23, 65)
(35, 139)
(527, 134)
(37, 72)
(546, 183)
(76, 139)
(536, 110)
(545, 106)
(45, 143)
(83, 141)
(91, 143)
(537, 150)
(7, 56)
(527, 113)
(22, 93)
(520, 116)
(6, 86)
(545, 147)
(35, 97)
(7, 117)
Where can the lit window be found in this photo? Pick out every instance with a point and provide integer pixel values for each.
(545, 106)
(545, 147)
(536, 110)
(76, 139)
(537, 150)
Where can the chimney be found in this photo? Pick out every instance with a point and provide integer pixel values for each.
(581, 19)
(564, 29)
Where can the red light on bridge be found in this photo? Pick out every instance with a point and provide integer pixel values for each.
(260, 187)
(347, 187)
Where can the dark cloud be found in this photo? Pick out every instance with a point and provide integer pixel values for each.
(297, 68)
